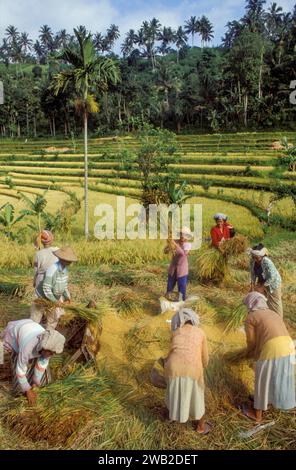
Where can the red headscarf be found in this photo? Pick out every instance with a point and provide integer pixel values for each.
(45, 237)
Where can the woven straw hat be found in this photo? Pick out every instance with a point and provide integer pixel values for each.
(66, 254)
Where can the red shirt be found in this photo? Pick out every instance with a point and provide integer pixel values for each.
(218, 233)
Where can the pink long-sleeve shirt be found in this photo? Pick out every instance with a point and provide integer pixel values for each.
(179, 263)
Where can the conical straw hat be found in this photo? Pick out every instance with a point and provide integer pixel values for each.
(66, 253)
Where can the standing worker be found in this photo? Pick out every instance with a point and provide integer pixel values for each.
(44, 257)
(183, 368)
(220, 232)
(54, 287)
(265, 278)
(270, 345)
(178, 269)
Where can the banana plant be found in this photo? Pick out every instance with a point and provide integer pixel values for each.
(8, 219)
(36, 206)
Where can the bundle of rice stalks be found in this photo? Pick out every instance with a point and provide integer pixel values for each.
(127, 302)
(90, 314)
(65, 407)
(234, 246)
(14, 286)
(233, 316)
(211, 265)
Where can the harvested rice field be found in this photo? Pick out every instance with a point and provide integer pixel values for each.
(110, 403)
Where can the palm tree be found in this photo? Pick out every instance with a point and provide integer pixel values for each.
(165, 83)
(180, 40)
(166, 36)
(46, 38)
(129, 43)
(87, 71)
(62, 38)
(39, 51)
(99, 41)
(234, 28)
(254, 17)
(113, 33)
(25, 42)
(274, 18)
(12, 34)
(192, 27)
(206, 30)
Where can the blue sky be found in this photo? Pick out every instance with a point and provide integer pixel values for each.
(97, 15)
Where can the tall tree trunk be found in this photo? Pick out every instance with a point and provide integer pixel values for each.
(53, 125)
(27, 118)
(86, 226)
(34, 126)
(260, 74)
(245, 109)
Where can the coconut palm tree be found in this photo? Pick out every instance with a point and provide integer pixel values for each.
(11, 33)
(180, 40)
(46, 38)
(62, 38)
(113, 34)
(206, 30)
(25, 43)
(192, 27)
(39, 51)
(166, 36)
(87, 71)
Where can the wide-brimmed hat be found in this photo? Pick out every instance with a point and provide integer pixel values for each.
(66, 254)
(186, 232)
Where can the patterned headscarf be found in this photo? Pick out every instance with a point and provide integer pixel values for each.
(255, 301)
(184, 315)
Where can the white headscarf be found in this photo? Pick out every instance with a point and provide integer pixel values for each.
(184, 315)
(261, 253)
(255, 301)
(53, 341)
(219, 216)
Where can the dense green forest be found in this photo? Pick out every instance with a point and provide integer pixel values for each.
(169, 78)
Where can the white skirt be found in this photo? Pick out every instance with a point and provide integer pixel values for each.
(185, 399)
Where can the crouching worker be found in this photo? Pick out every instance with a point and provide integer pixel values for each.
(269, 343)
(54, 287)
(30, 347)
(183, 368)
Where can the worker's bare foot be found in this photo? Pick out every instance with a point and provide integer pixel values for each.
(204, 428)
(255, 415)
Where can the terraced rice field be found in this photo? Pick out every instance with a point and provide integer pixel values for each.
(234, 166)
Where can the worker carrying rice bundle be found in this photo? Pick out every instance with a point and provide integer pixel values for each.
(44, 257)
(183, 370)
(54, 288)
(265, 278)
(178, 269)
(221, 231)
(30, 347)
(269, 343)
